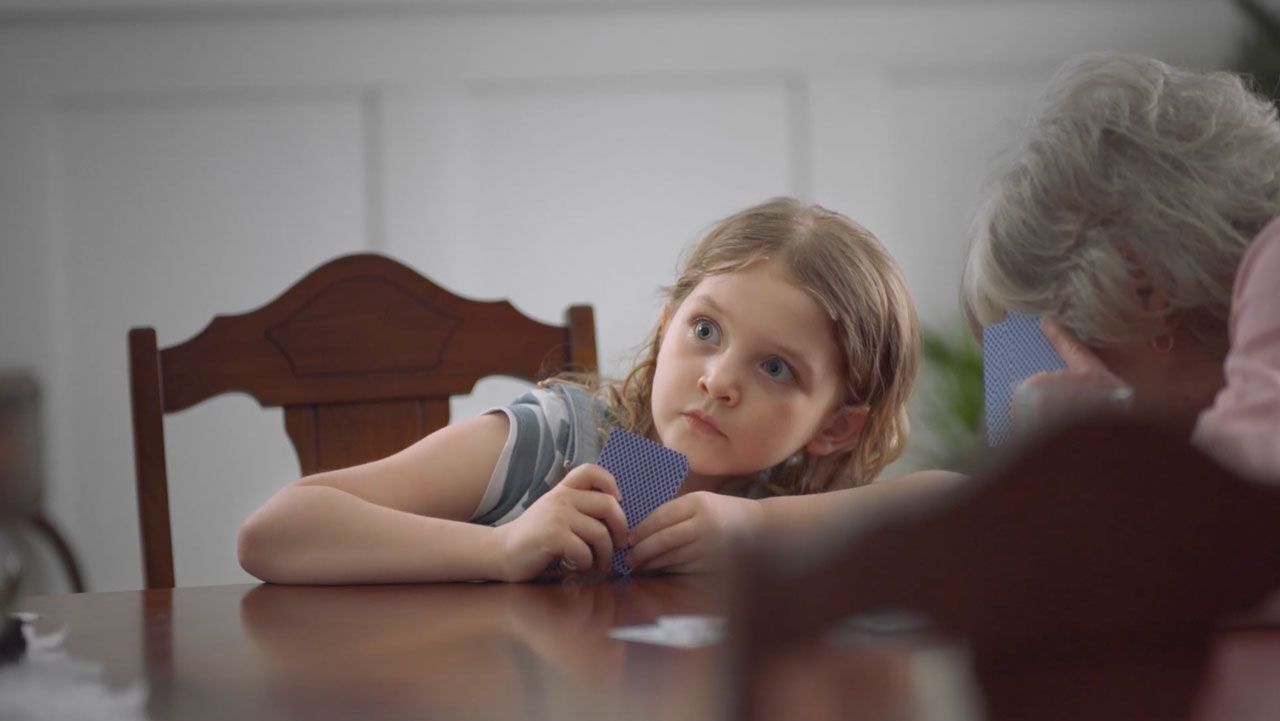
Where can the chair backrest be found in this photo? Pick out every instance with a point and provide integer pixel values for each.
(1105, 540)
(362, 354)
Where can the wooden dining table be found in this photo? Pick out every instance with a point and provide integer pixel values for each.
(529, 651)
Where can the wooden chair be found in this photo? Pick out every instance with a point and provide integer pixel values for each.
(1087, 574)
(362, 354)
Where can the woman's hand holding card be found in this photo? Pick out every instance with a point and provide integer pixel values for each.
(1085, 385)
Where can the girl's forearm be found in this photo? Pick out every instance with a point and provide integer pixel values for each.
(311, 534)
(801, 514)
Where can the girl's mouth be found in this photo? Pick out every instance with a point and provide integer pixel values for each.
(703, 423)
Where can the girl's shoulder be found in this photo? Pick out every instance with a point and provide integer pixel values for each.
(551, 429)
(573, 413)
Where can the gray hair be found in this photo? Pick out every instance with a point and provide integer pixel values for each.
(1128, 170)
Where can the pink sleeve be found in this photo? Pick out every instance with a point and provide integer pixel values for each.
(1242, 428)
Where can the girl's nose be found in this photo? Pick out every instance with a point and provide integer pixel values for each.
(720, 382)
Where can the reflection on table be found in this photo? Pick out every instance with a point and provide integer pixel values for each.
(500, 651)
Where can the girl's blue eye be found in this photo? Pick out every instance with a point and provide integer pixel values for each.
(778, 369)
(707, 331)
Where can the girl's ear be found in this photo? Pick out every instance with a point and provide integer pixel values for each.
(840, 433)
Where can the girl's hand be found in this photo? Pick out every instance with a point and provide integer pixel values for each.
(691, 533)
(578, 520)
(1085, 385)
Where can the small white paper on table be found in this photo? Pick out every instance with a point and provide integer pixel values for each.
(677, 631)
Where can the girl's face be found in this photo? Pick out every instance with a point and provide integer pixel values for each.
(747, 374)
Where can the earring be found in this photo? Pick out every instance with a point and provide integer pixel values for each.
(1162, 344)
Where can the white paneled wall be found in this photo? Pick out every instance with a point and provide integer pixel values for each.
(180, 159)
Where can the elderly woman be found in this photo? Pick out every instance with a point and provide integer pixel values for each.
(1133, 217)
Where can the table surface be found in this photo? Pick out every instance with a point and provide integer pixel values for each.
(440, 651)
(499, 651)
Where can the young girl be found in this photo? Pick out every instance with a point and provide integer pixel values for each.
(781, 366)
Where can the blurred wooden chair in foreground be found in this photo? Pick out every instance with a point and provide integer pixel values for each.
(363, 354)
(1086, 574)
(21, 479)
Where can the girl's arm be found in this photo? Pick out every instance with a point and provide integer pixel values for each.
(693, 532)
(403, 519)
(365, 524)
(800, 514)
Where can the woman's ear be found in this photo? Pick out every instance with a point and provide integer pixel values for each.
(1152, 299)
(1143, 292)
(840, 433)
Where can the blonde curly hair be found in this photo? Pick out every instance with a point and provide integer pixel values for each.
(853, 278)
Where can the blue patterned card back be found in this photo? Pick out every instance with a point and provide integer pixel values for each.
(1012, 350)
(648, 475)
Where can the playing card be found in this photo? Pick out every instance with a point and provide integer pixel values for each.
(648, 475)
(1012, 350)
